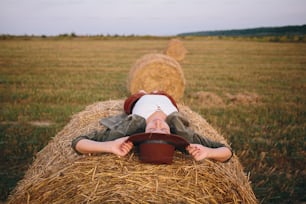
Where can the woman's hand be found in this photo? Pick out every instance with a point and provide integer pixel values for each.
(200, 152)
(121, 146)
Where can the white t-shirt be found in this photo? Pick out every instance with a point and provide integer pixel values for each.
(148, 104)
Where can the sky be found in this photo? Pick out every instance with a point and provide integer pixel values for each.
(144, 17)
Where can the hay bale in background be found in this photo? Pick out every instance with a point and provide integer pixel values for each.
(243, 98)
(206, 99)
(58, 175)
(176, 49)
(157, 72)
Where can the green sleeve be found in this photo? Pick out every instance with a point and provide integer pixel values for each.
(116, 127)
(180, 126)
(95, 135)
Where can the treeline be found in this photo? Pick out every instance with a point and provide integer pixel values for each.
(264, 34)
(263, 31)
(74, 35)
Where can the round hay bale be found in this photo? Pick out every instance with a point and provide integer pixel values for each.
(58, 175)
(157, 72)
(176, 49)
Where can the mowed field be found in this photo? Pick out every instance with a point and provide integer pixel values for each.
(253, 93)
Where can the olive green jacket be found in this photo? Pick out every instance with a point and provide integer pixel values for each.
(124, 125)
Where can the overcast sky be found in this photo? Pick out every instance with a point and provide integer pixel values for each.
(144, 17)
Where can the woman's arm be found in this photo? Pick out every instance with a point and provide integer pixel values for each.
(119, 146)
(200, 152)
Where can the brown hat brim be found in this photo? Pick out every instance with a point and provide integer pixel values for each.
(158, 148)
(175, 140)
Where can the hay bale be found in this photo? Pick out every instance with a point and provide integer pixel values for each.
(58, 175)
(176, 49)
(206, 99)
(157, 72)
(243, 98)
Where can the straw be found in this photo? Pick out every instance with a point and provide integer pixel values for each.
(157, 72)
(59, 175)
(176, 49)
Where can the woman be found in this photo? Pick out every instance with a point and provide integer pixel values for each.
(156, 112)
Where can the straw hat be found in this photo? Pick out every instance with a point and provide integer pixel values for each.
(158, 148)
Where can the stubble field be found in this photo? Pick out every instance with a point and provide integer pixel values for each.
(253, 93)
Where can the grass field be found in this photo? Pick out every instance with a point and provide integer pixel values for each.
(253, 93)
